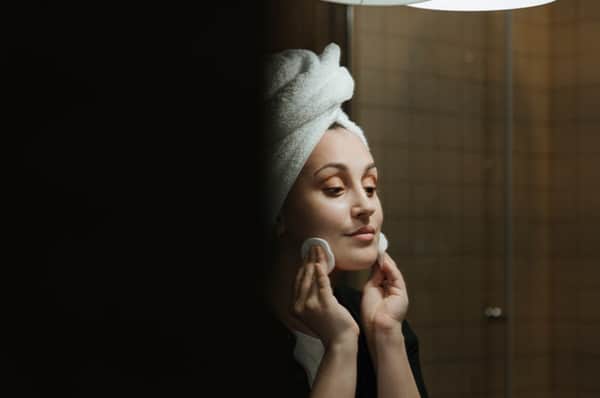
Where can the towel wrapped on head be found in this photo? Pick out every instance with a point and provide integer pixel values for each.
(304, 93)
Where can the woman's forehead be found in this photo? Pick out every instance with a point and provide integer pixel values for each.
(339, 146)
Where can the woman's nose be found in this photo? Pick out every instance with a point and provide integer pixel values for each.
(364, 206)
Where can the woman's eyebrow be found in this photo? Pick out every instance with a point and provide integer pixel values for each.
(342, 166)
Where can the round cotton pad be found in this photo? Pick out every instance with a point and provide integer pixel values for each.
(323, 243)
(383, 243)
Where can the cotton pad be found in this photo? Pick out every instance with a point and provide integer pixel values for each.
(323, 243)
(383, 245)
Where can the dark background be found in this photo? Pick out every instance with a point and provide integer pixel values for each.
(132, 134)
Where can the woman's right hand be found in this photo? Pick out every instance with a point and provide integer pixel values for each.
(315, 305)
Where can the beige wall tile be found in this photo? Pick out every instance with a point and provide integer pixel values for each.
(589, 172)
(588, 10)
(449, 27)
(496, 66)
(400, 236)
(450, 99)
(563, 205)
(564, 41)
(564, 138)
(449, 60)
(588, 342)
(566, 309)
(589, 204)
(370, 86)
(450, 379)
(562, 74)
(396, 166)
(426, 92)
(590, 273)
(397, 127)
(473, 236)
(450, 132)
(369, 20)
(564, 341)
(562, 12)
(449, 203)
(474, 28)
(588, 99)
(450, 238)
(538, 16)
(399, 203)
(399, 53)
(589, 310)
(398, 91)
(589, 138)
(370, 50)
(450, 167)
(564, 239)
(473, 165)
(473, 201)
(473, 94)
(531, 373)
(587, 379)
(588, 66)
(532, 338)
(424, 166)
(425, 238)
(423, 131)
(532, 39)
(473, 134)
(424, 203)
(563, 172)
(589, 239)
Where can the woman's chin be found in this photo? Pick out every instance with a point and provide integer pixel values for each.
(356, 265)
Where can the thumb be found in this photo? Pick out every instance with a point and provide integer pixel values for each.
(376, 276)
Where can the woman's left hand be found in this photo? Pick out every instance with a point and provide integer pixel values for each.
(384, 300)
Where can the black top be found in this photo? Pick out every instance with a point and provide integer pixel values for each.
(287, 377)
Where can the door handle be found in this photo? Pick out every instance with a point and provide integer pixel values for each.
(494, 313)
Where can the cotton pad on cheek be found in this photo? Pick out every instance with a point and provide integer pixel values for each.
(383, 245)
(323, 243)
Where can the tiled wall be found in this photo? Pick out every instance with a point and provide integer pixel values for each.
(431, 96)
(575, 199)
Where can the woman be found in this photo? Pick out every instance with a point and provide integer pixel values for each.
(344, 343)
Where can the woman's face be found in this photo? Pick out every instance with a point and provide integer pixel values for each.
(333, 197)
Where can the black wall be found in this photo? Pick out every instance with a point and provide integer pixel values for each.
(134, 196)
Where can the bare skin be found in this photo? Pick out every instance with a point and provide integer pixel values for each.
(334, 195)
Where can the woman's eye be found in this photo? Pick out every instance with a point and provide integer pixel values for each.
(371, 190)
(334, 190)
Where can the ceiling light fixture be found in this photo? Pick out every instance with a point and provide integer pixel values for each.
(375, 2)
(450, 5)
(479, 5)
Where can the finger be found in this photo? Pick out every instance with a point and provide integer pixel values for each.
(323, 282)
(306, 283)
(377, 276)
(297, 283)
(393, 274)
(320, 255)
(314, 286)
(314, 254)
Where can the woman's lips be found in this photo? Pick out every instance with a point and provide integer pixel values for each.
(364, 237)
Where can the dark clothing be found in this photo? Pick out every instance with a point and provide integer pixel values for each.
(289, 379)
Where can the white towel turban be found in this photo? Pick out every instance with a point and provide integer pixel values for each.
(304, 93)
